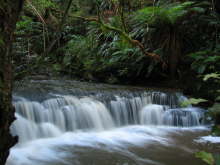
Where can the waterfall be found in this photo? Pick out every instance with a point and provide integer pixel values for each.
(71, 123)
(152, 114)
(67, 113)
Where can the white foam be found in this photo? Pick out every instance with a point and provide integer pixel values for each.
(211, 139)
(117, 140)
(59, 149)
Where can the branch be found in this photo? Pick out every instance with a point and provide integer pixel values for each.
(133, 42)
(36, 11)
(57, 38)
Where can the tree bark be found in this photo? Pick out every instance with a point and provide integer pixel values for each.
(217, 6)
(9, 13)
(174, 54)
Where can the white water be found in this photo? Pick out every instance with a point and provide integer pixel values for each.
(210, 139)
(152, 114)
(53, 131)
(113, 141)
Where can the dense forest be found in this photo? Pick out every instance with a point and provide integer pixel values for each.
(154, 43)
(121, 42)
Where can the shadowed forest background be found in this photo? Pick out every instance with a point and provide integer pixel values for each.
(168, 43)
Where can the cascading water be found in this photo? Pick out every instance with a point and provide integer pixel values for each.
(106, 122)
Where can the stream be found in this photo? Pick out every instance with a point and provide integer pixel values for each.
(64, 122)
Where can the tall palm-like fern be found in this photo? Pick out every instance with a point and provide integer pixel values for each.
(166, 24)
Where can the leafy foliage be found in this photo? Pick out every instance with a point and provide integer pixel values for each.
(192, 101)
(209, 158)
(172, 39)
(212, 75)
(206, 157)
(88, 48)
(205, 61)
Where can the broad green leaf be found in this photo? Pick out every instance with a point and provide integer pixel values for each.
(192, 101)
(211, 75)
(206, 157)
(212, 59)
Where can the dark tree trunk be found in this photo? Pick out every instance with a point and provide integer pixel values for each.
(174, 58)
(217, 6)
(9, 12)
(174, 53)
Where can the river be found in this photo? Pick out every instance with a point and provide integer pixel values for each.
(63, 122)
